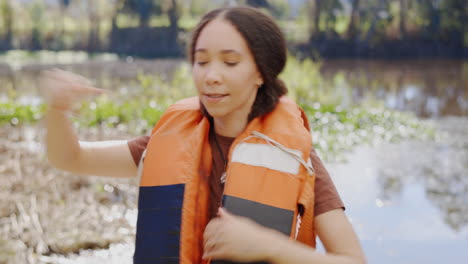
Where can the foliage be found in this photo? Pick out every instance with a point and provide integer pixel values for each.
(14, 113)
(335, 127)
(68, 24)
(305, 82)
(143, 8)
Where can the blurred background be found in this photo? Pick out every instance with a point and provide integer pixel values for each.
(383, 82)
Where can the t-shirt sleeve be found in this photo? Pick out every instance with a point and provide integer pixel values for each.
(137, 146)
(326, 195)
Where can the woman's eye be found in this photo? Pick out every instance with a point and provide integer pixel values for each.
(201, 63)
(231, 63)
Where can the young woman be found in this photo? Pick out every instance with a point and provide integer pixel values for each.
(230, 175)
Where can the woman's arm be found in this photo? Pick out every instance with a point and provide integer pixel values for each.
(337, 236)
(64, 151)
(235, 238)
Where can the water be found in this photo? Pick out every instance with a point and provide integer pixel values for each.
(408, 202)
(430, 88)
(111, 73)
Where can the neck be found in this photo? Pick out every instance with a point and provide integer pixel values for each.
(229, 128)
(232, 124)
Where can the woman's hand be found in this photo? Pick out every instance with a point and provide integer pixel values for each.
(62, 89)
(235, 238)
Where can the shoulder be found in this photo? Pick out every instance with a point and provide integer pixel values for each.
(179, 115)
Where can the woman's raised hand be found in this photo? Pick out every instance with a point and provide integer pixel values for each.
(63, 90)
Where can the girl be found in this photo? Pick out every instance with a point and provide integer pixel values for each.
(229, 175)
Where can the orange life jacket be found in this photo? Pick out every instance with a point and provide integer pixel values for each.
(267, 180)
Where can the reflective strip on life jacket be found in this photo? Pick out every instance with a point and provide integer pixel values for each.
(267, 156)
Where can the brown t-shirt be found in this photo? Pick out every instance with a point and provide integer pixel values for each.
(326, 195)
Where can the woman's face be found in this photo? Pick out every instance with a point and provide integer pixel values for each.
(225, 72)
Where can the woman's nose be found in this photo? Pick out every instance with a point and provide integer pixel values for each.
(212, 76)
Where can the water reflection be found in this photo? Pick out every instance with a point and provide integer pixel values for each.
(411, 198)
(114, 75)
(446, 178)
(429, 88)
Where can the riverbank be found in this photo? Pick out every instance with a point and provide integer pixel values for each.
(45, 211)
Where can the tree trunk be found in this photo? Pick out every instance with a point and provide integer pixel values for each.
(374, 21)
(403, 9)
(117, 8)
(94, 28)
(144, 22)
(314, 8)
(434, 17)
(144, 11)
(173, 27)
(352, 30)
(316, 18)
(9, 30)
(61, 31)
(7, 11)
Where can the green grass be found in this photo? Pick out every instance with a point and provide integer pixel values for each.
(15, 114)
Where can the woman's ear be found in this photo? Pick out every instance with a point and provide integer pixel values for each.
(259, 81)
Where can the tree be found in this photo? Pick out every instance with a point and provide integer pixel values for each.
(375, 18)
(173, 20)
(6, 11)
(94, 19)
(36, 12)
(323, 15)
(63, 6)
(118, 7)
(402, 22)
(258, 3)
(353, 30)
(454, 19)
(280, 9)
(315, 10)
(143, 8)
(197, 8)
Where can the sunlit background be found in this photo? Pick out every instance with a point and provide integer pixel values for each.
(384, 83)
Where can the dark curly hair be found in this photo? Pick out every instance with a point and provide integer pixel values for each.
(267, 45)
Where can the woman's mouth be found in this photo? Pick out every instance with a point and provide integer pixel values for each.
(214, 97)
